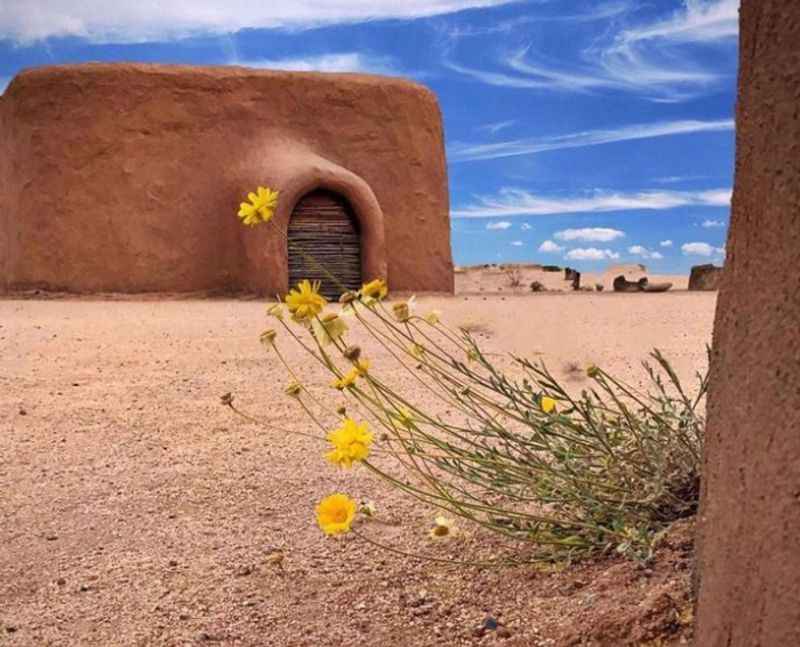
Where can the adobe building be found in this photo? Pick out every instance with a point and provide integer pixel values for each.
(128, 178)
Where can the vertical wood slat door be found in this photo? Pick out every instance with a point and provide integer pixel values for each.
(324, 228)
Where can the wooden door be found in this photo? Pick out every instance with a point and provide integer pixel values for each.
(324, 229)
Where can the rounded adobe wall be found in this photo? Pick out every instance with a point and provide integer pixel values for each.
(142, 169)
(749, 541)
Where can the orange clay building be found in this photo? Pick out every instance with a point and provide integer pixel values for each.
(128, 178)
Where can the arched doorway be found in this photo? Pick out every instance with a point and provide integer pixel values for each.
(324, 229)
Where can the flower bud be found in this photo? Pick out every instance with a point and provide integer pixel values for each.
(268, 336)
(352, 353)
(592, 371)
(293, 390)
(347, 297)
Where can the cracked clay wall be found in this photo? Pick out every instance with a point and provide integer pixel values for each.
(749, 543)
(127, 177)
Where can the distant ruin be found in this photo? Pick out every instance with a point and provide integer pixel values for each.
(705, 277)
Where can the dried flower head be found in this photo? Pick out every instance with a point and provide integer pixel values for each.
(443, 528)
(293, 390)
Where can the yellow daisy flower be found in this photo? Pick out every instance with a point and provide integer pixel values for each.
(261, 207)
(547, 404)
(432, 317)
(362, 367)
(335, 514)
(351, 443)
(376, 289)
(305, 301)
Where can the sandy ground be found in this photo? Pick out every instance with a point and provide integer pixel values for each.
(136, 510)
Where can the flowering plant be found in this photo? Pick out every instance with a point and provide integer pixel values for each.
(512, 451)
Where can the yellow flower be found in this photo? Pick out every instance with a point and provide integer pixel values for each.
(348, 379)
(416, 350)
(305, 301)
(331, 328)
(362, 366)
(547, 404)
(432, 317)
(443, 528)
(335, 514)
(376, 289)
(351, 443)
(261, 207)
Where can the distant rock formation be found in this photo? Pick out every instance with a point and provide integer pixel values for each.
(705, 277)
(621, 284)
(574, 276)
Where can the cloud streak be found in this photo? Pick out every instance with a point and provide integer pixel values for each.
(591, 234)
(133, 21)
(340, 62)
(591, 254)
(517, 202)
(651, 59)
(465, 152)
(701, 249)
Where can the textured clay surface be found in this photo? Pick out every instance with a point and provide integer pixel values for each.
(127, 178)
(750, 540)
(136, 510)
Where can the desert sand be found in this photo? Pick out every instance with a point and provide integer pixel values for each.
(135, 509)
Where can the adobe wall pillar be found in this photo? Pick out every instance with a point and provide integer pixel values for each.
(749, 542)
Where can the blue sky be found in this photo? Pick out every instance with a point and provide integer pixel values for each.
(580, 132)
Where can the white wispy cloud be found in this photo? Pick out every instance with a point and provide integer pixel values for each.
(4, 81)
(464, 152)
(701, 249)
(496, 127)
(517, 243)
(525, 226)
(339, 62)
(133, 21)
(666, 243)
(650, 59)
(639, 250)
(709, 224)
(498, 225)
(678, 179)
(591, 254)
(549, 247)
(517, 202)
(590, 234)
